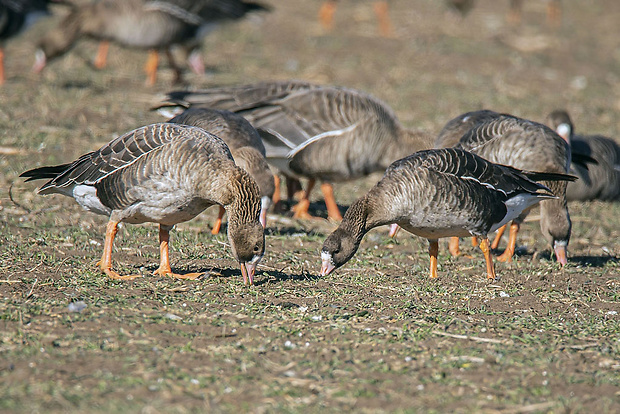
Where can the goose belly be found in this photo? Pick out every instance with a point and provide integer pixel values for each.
(168, 214)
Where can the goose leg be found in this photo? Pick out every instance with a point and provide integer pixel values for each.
(293, 188)
(301, 208)
(178, 74)
(484, 246)
(381, 10)
(433, 250)
(514, 13)
(164, 265)
(218, 223)
(474, 241)
(554, 13)
(454, 247)
(498, 236)
(512, 242)
(326, 14)
(276, 192)
(105, 264)
(2, 79)
(330, 202)
(102, 54)
(151, 67)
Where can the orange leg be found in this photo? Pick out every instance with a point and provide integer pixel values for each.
(218, 223)
(301, 208)
(330, 202)
(498, 236)
(102, 54)
(454, 246)
(151, 67)
(381, 10)
(474, 241)
(514, 14)
(554, 13)
(2, 79)
(433, 250)
(484, 246)
(105, 264)
(512, 242)
(276, 192)
(326, 14)
(164, 265)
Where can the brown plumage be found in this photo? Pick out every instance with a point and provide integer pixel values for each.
(439, 193)
(316, 132)
(166, 174)
(526, 145)
(597, 181)
(244, 143)
(143, 24)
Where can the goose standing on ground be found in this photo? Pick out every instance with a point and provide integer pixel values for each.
(439, 193)
(600, 181)
(316, 132)
(15, 17)
(245, 146)
(166, 174)
(154, 25)
(526, 145)
(213, 13)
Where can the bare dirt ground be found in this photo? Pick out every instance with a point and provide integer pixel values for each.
(375, 336)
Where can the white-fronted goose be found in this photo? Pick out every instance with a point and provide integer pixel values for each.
(328, 9)
(144, 24)
(15, 17)
(245, 145)
(527, 145)
(600, 180)
(166, 174)
(212, 12)
(439, 193)
(317, 132)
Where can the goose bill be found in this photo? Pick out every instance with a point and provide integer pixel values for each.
(248, 270)
(327, 264)
(560, 253)
(40, 60)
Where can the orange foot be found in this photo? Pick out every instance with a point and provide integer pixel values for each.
(168, 273)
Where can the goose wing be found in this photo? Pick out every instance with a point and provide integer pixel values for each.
(112, 157)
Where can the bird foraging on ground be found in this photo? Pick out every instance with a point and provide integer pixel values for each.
(439, 193)
(166, 174)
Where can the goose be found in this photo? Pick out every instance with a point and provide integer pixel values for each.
(167, 174)
(328, 9)
(324, 133)
(600, 180)
(527, 145)
(213, 13)
(245, 146)
(15, 17)
(439, 193)
(554, 12)
(145, 24)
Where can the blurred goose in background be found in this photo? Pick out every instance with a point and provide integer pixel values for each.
(245, 146)
(328, 9)
(154, 25)
(554, 12)
(316, 132)
(166, 174)
(213, 13)
(439, 193)
(463, 7)
(522, 144)
(15, 17)
(599, 181)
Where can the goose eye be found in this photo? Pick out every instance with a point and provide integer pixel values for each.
(256, 249)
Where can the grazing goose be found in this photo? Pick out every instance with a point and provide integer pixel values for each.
(166, 174)
(599, 181)
(245, 146)
(317, 132)
(328, 9)
(439, 193)
(15, 17)
(154, 25)
(527, 145)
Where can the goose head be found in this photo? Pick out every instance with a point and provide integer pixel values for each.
(337, 249)
(247, 241)
(560, 121)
